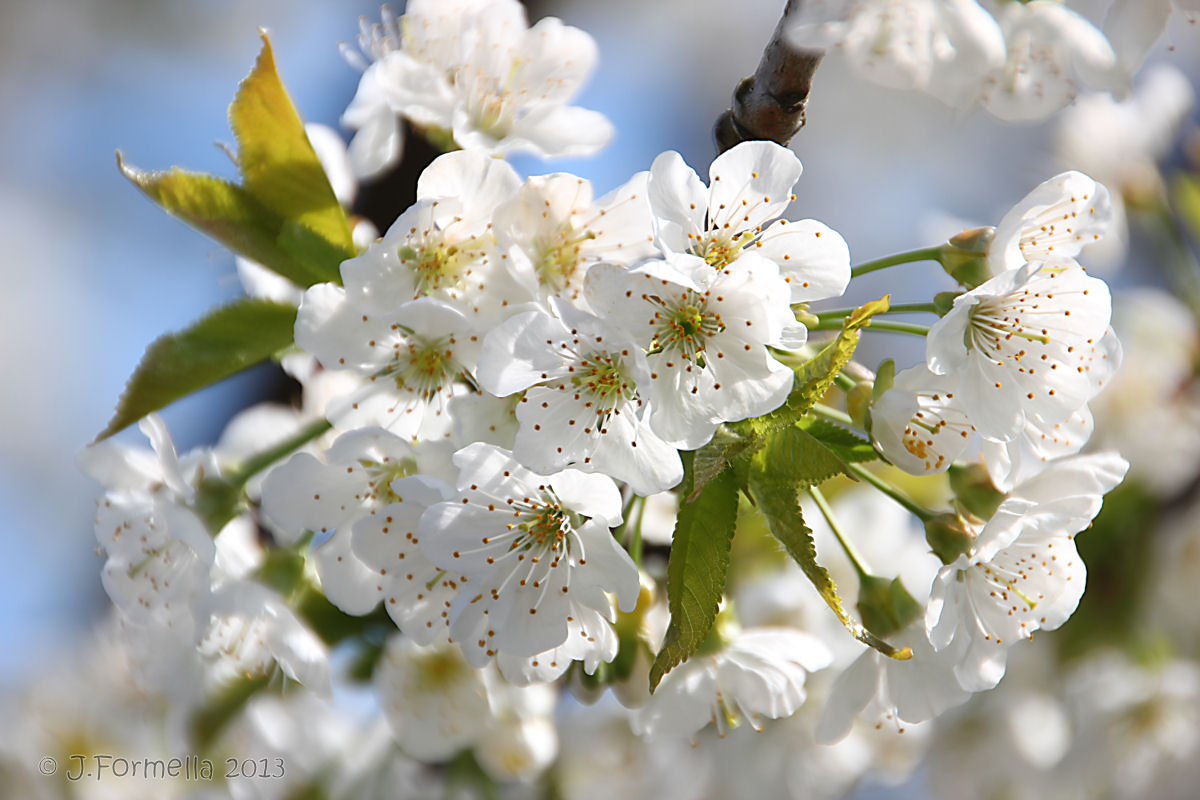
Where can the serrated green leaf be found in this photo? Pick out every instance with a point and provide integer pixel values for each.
(284, 215)
(847, 446)
(815, 376)
(779, 506)
(794, 457)
(279, 167)
(697, 570)
(712, 458)
(229, 214)
(226, 341)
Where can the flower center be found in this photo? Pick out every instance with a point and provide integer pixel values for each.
(602, 376)
(684, 327)
(719, 248)
(435, 263)
(559, 256)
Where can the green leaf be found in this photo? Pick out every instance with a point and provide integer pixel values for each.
(225, 342)
(815, 376)
(886, 606)
(229, 214)
(697, 569)
(1185, 196)
(847, 446)
(794, 457)
(712, 458)
(284, 215)
(279, 167)
(777, 501)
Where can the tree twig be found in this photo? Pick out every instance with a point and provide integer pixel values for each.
(770, 103)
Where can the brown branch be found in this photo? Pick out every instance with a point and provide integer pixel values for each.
(770, 103)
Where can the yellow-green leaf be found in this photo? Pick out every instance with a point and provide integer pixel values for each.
(697, 569)
(226, 341)
(279, 167)
(794, 456)
(228, 213)
(777, 501)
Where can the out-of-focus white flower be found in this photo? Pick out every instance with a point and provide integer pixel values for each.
(749, 186)
(475, 70)
(942, 47)
(435, 702)
(1053, 52)
(1022, 572)
(759, 674)
(1150, 412)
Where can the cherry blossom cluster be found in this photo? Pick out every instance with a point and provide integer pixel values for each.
(508, 394)
(1021, 60)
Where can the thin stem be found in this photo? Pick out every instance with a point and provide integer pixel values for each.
(832, 414)
(635, 544)
(899, 308)
(827, 512)
(924, 254)
(844, 381)
(894, 492)
(260, 461)
(891, 326)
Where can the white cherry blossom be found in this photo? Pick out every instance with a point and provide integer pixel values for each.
(1031, 340)
(1053, 52)
(898, 692)
(759, 674)
(443, 245)
(1052, 224)
(434, 701)
(1022, 573)
(917, 425)
(749, 185)
(474, 70)
(581, 404)
(942, 47)
(410, 360)
(553, 229)
(537, 553)
(1026, 454)
(706, 334)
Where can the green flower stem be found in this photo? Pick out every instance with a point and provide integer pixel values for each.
(844, 381)
(260, 461)
(634, 536)
(827, 512)
(876, 325)
(924, 254)
(900, 308)
(833, 415)
(921, 512)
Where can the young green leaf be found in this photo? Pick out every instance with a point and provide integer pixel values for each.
(776, 499)
(847, 446)
(710, 459)
(229, 214)
(697, 570)
(793, 456)
(284, 215)
(226, 341)
(278, 164)
(815, 376)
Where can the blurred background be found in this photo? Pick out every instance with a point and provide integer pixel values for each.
(93, 271)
